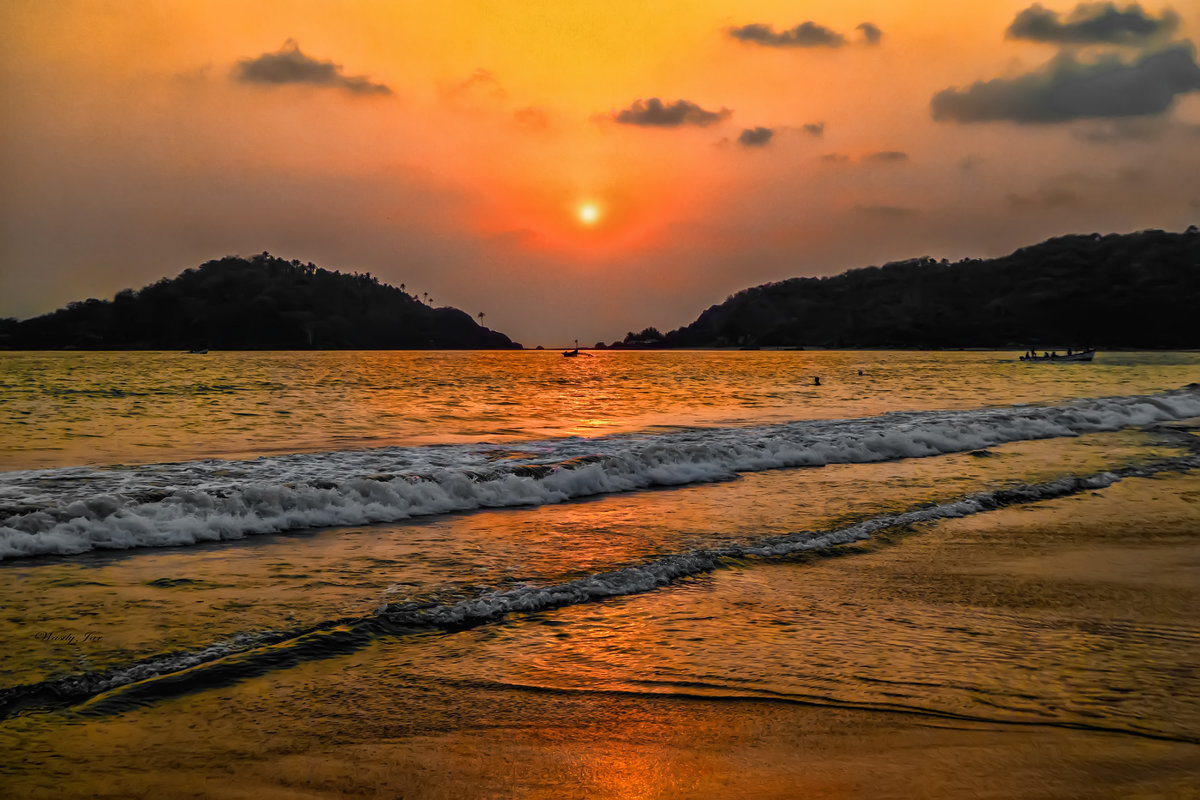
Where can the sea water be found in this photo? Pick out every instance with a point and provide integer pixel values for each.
(170, 523)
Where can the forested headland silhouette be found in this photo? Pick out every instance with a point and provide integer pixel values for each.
(257, 303)
(1136, 290)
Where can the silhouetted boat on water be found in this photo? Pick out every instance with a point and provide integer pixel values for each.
(1080, 355)
(575, 352)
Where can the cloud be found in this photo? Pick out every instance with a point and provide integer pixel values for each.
(814, 128)
(1135, 129)
(655, 113)
(1077, 190)
(886, 157)
(1067, 89)
(482, 84)
(1092, 23)
(806, 34)
(835, 158)
(871, 32)
(755, 137)
(532, 119)
(1046, 197)
(289, 65)
(886, 211)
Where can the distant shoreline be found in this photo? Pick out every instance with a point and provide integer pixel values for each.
(561, 348)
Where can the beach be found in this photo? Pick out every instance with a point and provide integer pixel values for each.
(914, 615)
(556, 400)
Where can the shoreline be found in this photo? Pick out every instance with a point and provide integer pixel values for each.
(378, 724)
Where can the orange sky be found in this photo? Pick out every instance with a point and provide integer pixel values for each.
(454, 144)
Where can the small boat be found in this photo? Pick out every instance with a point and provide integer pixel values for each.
(1078, 355)
(200, 351)
(575, 352)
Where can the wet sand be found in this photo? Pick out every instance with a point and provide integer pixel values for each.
(382, 723)
(596, 746)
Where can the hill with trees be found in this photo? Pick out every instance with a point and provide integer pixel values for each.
(258, 303)
(1137, 290)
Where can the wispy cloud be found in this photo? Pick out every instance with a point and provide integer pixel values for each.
(481, 83)
(886, 157)
(871, 32)
(532, 119)
(886, 211)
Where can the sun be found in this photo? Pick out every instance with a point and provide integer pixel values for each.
(589, 213)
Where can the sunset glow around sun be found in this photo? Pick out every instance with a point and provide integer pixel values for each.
(589, 213)
(636, 162)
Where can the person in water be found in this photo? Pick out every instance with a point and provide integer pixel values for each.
(817, 381)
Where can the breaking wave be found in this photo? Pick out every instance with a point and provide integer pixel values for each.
(254, 653)
(78, 509)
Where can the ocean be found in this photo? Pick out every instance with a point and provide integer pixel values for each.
(626, 574)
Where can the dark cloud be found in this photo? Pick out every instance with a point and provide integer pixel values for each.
(1067, 89)
(654, 112)
(1092, 23)
(814, 128)
(835, 158)
(755, 137)
(289, 65)
(886, 211)
(886, 157)
(806, 34)
(871, 32)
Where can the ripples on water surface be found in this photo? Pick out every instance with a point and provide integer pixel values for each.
(59, 409)
(1025, 584)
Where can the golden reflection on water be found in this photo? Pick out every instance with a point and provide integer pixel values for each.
(1074, 612)
(152, 601)
(59, 409)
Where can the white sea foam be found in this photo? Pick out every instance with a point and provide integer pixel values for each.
(74, 510)
(317, 641)
(671, 568)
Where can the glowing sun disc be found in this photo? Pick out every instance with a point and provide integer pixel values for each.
(589, 213)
